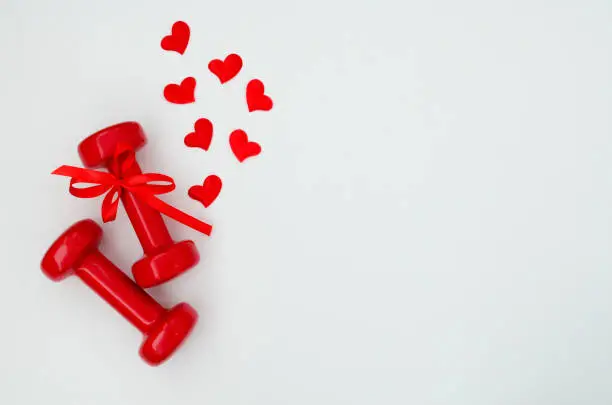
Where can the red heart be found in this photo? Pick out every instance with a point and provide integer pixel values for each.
(178, 40)
(227, 69)
(208, 191)
(256, 99)
(202, 136)
(181, 93)
(242, 148)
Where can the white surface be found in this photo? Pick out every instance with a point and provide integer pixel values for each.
(429, 221)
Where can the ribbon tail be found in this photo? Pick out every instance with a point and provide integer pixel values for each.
(175, 214)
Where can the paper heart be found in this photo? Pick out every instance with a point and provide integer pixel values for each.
(226, 69)
(256, 99)
(178, 40)
(209, 190)
(202, 135)
(242, 148)
(181, 93)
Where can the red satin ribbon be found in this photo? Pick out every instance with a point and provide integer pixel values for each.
(144, 186)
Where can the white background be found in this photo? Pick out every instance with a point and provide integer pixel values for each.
(428, 222)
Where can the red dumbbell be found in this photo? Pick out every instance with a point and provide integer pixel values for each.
(76, 251)
(164, 259)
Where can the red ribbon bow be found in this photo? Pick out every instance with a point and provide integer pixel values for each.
(144, 186)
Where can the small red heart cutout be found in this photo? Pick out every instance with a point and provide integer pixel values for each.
(256, 99)
(181, 93)
(242, 148)
(226, 69)
(202, 135)
(178, 40)
(208, 192)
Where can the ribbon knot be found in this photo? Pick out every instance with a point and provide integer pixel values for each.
(145, 186)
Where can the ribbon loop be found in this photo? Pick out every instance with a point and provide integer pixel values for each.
(110, 204)
(87, 192)
(123, 159)
(144, 186)
(155, 183)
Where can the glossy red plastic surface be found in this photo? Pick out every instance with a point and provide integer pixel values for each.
(97, 148)
(75, 252)
(161, 262)
(165, 265)
(117, 289)
(166, 336)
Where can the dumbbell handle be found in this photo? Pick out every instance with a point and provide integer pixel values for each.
(147, 222)
(110, 283)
